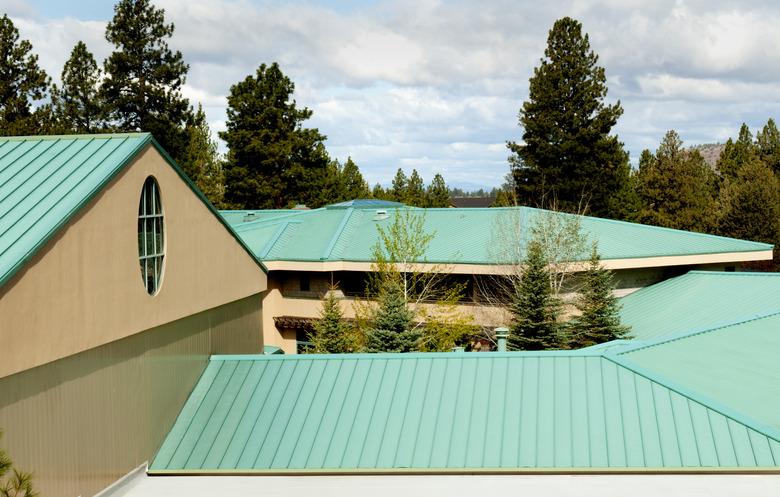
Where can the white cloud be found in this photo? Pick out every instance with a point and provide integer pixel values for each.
(437, 85)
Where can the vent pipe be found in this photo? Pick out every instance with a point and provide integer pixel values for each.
(501, 335)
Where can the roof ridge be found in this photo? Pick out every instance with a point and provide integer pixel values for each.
(412, 355)
(272, 220)
(731, 273)
(703, 400)
(698, 331)
(77, 136)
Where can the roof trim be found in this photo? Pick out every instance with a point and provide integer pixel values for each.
(477, 268)
(43, 241)
(701, 470)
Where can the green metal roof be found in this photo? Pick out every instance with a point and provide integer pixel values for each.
(699, 300)
(348, 234)
(736, 364)
(45, 180)
(451, 412)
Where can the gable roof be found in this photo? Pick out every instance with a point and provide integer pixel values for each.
(736, 364)
(699, 300)
(46, 180)
(451, 412)
(348, 234)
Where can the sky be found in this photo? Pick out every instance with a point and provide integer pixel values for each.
(437, 85)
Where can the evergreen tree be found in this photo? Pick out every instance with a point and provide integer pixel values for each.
(273, 161)
(567, 152)
(415, 190)
(14, 483)
(332, 335)
(750, 204)
(768, 144)
(599, 320)
(78, 106)
(534, 308)
(437, 194)
(22, 84)
(393, 329)
(380, 193)
(676, 187)
(735, 154)
(399, 187)
(201, 160)
(355, 186)
(142, 87)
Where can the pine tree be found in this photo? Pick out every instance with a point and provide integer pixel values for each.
(415, 190)
(17, 483)
(399, 187)
(768, 144)
(750, 204)
(534, 308)
(22, 84)
(201, 160)
(676, 188)
(78, 105)
(332, 335)
(380, 193)
(599, 319)
(437, 194)
(737, 153)
(567, 153)
(142, 87)
(355, 185)
(392, 329)
(273, 161)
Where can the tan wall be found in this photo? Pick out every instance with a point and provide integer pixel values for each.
(84, 288)
(81, 422)
(284, 298)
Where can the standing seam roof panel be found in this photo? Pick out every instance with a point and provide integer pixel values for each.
(448, 412)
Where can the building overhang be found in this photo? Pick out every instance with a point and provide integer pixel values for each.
(499, 269)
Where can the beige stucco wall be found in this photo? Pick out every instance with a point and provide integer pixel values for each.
(81, 422)
(283, 298)
(84, 288)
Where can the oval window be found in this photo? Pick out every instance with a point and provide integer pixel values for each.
(151, 236)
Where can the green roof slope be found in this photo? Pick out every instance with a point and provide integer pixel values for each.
(348, 234)
(736, 364)
(448, 412)
(45, 180)
(699, 300)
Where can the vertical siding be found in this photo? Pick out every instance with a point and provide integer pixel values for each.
(81, 422)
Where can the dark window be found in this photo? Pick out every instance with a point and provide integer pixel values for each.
(305, 283)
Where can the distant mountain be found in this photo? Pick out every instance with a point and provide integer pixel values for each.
(710, 151)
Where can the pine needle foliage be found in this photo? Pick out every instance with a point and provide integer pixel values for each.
(599, 320)
(393, 329)
(332, 334)
(14, 483)
(534, 308)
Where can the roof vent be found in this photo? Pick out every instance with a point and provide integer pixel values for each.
(250, 217)
(380, 215)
